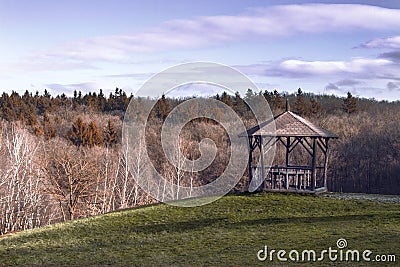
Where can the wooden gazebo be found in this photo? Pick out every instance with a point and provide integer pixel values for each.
(290, 131)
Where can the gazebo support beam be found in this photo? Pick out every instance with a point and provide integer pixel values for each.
(250, 158)
(262, 162)
(309, 150)
(293, 145)
(313, 165)
(287, 161)
(326, 163)
(321, 145)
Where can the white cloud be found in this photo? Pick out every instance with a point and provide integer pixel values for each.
(390, 42)
(358, 66)
(361, 68)
(265, 23)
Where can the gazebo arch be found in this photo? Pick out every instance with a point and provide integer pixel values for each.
(291, 130)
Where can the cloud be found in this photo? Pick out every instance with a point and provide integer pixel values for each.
(331, 87)
(393, 86)
(196, 89)
(46, 63)
(348, 82)
(357, 68)
(393, 55)
(256, 24)
(342, 86)
(390, 42)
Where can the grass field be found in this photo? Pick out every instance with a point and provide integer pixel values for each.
(229, 231)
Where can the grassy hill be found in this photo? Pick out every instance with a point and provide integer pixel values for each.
(229, 231)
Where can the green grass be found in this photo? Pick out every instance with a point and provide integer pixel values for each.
(229, 231)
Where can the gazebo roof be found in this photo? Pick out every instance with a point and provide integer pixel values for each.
(289, 124)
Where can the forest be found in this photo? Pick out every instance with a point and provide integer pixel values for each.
(63, 157)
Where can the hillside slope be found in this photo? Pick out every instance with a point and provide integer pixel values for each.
(229, 231)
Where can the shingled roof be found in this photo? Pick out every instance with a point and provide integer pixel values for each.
(289, 124)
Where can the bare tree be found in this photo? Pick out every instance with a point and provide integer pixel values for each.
(70, 179)
(22, 206)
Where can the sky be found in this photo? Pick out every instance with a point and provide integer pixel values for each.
(324, 47)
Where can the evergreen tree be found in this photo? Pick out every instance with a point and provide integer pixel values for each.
(75, 100)
(225, 98)
(101, 101)
(78, 134)
(163, 108)
(48, 127)
(38, 130)
(110, 134)
(64, 101)
(240, 105)
(300, 105)
(21, 118)
(277, 100)
(43, 104)
(268, 96)
(46, 94)
(315, 108)
(350, 104)
(249, 93)
(94, 135)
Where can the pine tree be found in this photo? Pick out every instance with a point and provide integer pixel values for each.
(268, 96)
(315, 108)
(300, 105)
(225, 98)
(75, 100)
(277, 100)
(38, 129)
(78, 134)
(94, 134)
(163, 108)
(48, 127)
(240, 105)
(101, 101)
(110, 134)
(21, 118)
(249, 93)
(350, 104)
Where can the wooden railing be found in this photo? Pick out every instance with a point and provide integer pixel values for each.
(285, 178)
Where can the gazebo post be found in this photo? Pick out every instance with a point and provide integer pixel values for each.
(313, 165)
(287, 161)
(262, 162)
(250, 158)
(326, 162)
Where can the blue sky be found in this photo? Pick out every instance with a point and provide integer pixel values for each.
(320, 46)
